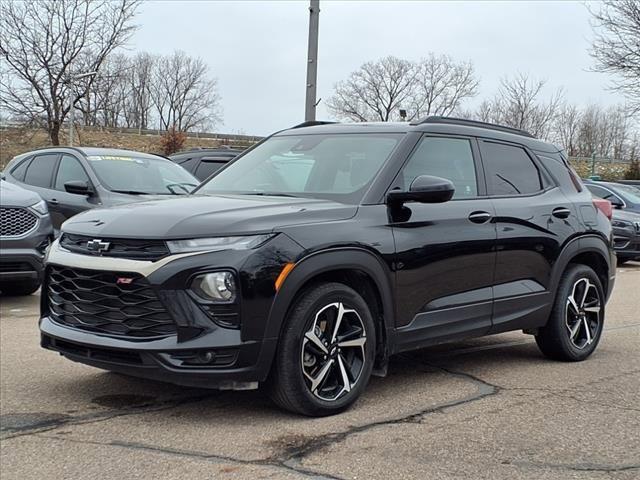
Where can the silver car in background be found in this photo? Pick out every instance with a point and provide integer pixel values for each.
(25, 234)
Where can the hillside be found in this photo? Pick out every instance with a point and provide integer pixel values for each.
(14, 141)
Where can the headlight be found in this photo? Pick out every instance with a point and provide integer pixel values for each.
(215, 286)
(217, 243)
(621, 223)
(40, 207)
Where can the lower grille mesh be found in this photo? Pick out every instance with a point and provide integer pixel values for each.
(121, 304)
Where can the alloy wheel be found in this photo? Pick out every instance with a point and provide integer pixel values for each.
(582, 314)
(333, 354)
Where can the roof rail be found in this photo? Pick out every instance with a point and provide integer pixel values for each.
(311, 123)
(471, 123)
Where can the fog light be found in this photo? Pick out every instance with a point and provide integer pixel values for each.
(215, 286)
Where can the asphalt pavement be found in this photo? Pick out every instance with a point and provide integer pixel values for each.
(488, 408)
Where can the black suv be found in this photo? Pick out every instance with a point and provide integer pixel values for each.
(318, 253)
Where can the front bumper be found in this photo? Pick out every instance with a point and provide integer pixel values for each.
(243, 365)
(626, 243)
(240, 354)
(18, 264)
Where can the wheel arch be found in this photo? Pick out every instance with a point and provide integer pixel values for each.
(357, 268)
(590, 250)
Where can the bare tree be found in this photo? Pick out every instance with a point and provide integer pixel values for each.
(183, 95)
(436, 85)
(106, 100)
(140, 82)
(375, 92)
(605, 132)
(616, 47)
(45, 43)
(567, 127)
(441, 86)
(520, 103)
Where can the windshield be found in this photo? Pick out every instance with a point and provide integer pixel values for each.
(630, 193)
(338, 167)
(142, 175)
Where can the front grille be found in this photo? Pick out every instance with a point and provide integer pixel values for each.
(134, 249)
(120, 304)
(93, 353)
(15, 222)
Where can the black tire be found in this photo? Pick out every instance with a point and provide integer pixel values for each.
(289, 386)
(573, 337)
(26, 287)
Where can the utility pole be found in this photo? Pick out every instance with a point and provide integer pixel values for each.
(312, 61)
(71, 82)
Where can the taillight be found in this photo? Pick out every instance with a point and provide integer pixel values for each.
(604, 206)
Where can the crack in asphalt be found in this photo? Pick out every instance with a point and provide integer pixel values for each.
(580, 467)
(61, 421)
(215, 458)
(289, 457)
(310, 445)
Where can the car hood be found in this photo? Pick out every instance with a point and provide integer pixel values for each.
(12, 195)
(201, 216)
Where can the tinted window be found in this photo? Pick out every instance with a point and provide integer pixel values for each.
(449, 158)
(603, 193)
(630, 193)
(188, 164)
(509, 170)
(40, 170)
(20, 169)
(335, 166)
(70, 170)
(207, 168)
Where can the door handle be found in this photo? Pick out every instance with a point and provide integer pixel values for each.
(479, 217)
(53, 201)
(561, 212)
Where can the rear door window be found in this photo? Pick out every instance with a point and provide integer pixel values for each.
(509, 170)
(40, 170)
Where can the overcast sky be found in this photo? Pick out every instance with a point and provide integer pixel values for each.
(257, 50)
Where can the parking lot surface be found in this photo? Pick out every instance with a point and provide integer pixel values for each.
(489, 408)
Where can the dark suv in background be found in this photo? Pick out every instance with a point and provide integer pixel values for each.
(25, 233)
(204, 162)
(314, 256)
(72, 180)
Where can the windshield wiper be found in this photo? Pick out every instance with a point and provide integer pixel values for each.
(132, 192)
(270, 194)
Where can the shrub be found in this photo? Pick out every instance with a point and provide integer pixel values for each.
(633, 172)
(172, 141)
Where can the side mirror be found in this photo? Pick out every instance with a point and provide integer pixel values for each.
(78, 187)
(616, 202)
(423, 189)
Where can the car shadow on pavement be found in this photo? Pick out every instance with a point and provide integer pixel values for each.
(409, 372)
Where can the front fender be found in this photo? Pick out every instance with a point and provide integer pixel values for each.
(348, 258)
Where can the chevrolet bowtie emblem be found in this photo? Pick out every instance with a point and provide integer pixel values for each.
(97, 245)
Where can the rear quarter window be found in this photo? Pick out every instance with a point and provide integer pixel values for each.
(20, 169)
